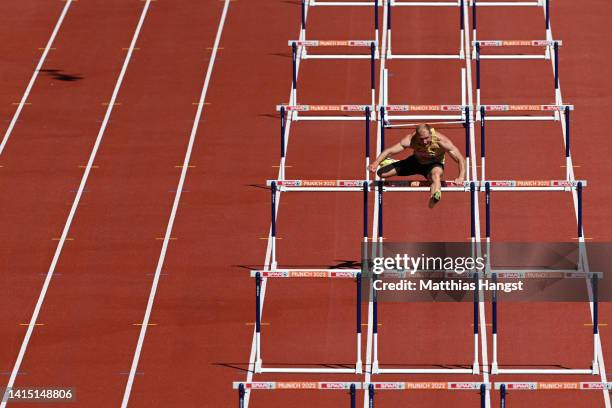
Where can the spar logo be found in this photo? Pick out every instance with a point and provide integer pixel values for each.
(334, 386)
(276, 274)
(342, 274)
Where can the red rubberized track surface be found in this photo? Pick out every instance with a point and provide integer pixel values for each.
(200, 330)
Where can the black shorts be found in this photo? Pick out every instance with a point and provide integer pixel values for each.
(411, 165)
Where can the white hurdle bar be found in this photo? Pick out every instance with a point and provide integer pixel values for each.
(539, 185)
(537, 3)
(374, 387)
(458, 3)
(306, 55)
(306, 273)
(547, 386)
(244, 387)
(482, 116)
(313, 3)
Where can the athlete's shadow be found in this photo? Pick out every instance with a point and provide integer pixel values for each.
(61, 76)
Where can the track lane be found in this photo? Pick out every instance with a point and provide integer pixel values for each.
(515, 218)
(137, 163)
(42, 163)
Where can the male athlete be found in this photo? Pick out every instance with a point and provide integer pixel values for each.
(429, 149)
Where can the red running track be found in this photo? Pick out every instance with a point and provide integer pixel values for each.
(203, 309)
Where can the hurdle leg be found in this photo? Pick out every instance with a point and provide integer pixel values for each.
(375, 366)
(367, 156)
(273, 223)
(477, 47)
(389, 6)
(475, 365)
(241, 394)
(473, 25)
(556, 73)
(482, 143)
(468, 146)
(483, 395)
(461, 31)
(376, 24)
(373, 74)
(371, 395)
(568, 163)
(502, 396)
(294, 79)
(595, 365)
(494, 366)
(358, 362)
(258, 363)
(282, 143)
(353, 396)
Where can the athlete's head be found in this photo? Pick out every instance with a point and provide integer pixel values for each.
(423, 133)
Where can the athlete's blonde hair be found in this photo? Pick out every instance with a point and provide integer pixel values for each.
(423, 126)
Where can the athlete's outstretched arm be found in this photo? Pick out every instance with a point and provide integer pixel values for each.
(390, 151)
(456, 155)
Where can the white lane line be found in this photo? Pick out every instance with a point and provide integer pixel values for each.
(175, 205)
(75, 204)
(482, 330)
(381, 100)
(264, 283)
(570, 173)
(41, 62)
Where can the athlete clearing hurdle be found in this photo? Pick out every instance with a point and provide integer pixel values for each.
(429, 149)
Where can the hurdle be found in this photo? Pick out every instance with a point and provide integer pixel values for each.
(548, 386)
(306, 273)
(374, 387)
(538, 185)
(537, 3)
(284, 109)
(458, 3)
(547, 43)
(294, 52)
(244, 387)
(470, 187)
(556, 109)
(306, 44)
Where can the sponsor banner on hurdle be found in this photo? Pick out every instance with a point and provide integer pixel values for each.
(540, 108)
(297, 273)
(323, 108)
(423, 108)
(297, 385)
(517, 43)
(534, 183)
(454, 386)
(554, 386)
(333, 43)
